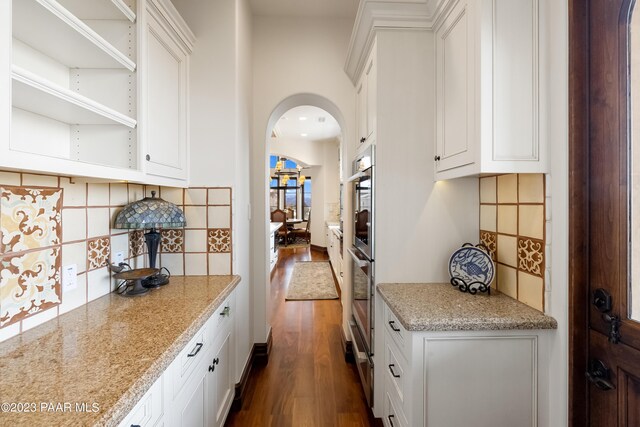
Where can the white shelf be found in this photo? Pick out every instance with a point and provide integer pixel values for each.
(51, 29)
(37, 95)
(99, 9)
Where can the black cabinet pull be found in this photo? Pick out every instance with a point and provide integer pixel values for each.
(391, 417)
(135, 425)
(225, 311)
(212, 367)
(392, 324)
(195, 350)
(363, 139)
(436, 158)
(393, 374)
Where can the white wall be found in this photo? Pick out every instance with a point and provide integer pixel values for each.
(220, 110)
(291, 56)
(555, 121)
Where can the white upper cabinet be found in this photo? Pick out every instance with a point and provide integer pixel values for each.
(164, 70)
(487, 66)
(71, 100)
(366, 95)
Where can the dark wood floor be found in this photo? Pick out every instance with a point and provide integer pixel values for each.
(306, 381)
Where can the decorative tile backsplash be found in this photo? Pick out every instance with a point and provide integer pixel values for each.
(512, 227)
(47, 222)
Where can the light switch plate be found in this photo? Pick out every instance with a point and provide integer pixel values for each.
(69, 277)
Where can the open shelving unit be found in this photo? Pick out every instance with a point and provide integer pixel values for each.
(73, 92)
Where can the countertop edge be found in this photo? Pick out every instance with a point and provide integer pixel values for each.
(474, 325)
(114, 415)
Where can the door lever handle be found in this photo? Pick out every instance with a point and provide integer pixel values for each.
(599, 375)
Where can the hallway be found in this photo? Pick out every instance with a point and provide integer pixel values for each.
(306, 381)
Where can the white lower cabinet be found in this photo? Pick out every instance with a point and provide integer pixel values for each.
(462, 378)
(198, 386)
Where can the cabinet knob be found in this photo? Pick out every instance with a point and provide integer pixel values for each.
(436, 158)
(363, 139)
(148, 157)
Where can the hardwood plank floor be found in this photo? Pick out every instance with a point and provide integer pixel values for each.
(307, 382)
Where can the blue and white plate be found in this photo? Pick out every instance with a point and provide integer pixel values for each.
(471, 264)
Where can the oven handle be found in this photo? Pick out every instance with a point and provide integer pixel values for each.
(356, 259)
(356, 176)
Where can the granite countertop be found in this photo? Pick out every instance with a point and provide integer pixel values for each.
(274, 226)
(108, 352)
(441, 307)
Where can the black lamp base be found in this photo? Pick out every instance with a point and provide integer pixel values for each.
(155, 281)
(138, 289)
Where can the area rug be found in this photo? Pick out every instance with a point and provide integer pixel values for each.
(311, 280)
(295, 245)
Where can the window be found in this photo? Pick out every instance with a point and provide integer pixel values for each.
(289, 196)
(306, 197)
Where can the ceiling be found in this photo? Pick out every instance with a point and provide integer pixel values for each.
(307, 123)
(306, 8)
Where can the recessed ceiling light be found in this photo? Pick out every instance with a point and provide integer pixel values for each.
(304, 134)
(302, 118)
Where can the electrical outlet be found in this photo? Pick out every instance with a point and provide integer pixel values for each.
(118, 257)
(69, 277)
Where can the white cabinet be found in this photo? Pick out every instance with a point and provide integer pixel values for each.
(366, 98)
(456, 378)
(273, 245)
(197, 389)
(72, 92)
(334, 248)
(164, 69)
(487, 89)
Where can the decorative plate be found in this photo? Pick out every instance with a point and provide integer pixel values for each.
(472, 265)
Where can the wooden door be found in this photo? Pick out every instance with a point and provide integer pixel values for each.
(605, 230)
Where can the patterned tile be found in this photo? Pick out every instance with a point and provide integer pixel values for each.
(29, 284)
(219, 240)
(172, 240)
(488, 239)
(531, 256)
(98, 252)
(136, 243)
(30, 218)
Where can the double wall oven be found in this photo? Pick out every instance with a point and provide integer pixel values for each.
(362, 267)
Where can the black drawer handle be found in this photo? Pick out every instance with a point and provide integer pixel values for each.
(393, 327)
(393, 374)
(135, 425)
(195, 350)
(391, 417)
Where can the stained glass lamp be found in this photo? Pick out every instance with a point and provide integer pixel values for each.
(151, 213)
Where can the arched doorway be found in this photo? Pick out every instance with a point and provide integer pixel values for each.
(261, 273)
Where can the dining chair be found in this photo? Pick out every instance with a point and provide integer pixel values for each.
(283, 232)
(303, 232)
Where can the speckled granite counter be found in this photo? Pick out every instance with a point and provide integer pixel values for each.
(107, 352)
(441, 307)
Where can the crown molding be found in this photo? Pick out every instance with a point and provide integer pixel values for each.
(374, 15)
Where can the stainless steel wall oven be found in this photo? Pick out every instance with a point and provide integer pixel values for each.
(362, 267)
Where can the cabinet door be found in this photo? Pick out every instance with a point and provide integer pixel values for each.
(455, 89)
(361, 104)
(371, 77)
(220, 386)
(165, 93)
(190, 405)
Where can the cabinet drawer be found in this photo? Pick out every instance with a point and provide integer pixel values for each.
(395, 329)
(393, 415)
(149, 409)
(221, 319)
(395, 372)
(190, 357)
